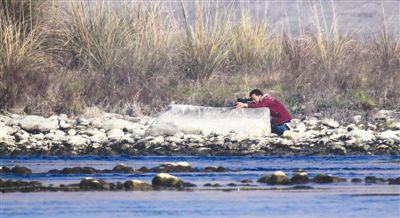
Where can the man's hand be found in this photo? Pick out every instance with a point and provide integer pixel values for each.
(240, 105)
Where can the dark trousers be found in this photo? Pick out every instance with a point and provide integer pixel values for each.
(279, 129)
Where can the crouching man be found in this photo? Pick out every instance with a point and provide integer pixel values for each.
(279, 114)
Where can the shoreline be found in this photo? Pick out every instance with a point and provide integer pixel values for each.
(100, 133)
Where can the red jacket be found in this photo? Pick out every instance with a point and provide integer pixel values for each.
(278, 112)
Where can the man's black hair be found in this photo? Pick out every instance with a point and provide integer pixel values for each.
(256, 92)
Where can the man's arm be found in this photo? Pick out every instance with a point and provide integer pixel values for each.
(266, 102)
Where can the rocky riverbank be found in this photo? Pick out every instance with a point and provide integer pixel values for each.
(98, 133)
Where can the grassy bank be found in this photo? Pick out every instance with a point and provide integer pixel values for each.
(137, 58)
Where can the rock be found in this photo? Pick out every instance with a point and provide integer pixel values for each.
(212, 185)
(395, 181)
(64, 124)
(246, 181)
(5, 133)
(356, 180)
(331, 123)
(264, 179)
(38, 137)
(5, 169)
(214, 169)
(115, 134)
(175, 167)
(382, 115)
(21, 170)
(357, 119)
(5, 130)
(373, 179)
(362, 135)
(166, 180)
(37, 123)
(292, 135)
(231, 184)
(338, 149)
(173, 139)
(99, 137)
(76, 140)
(393, 124)
(122, 168)
(278, 178)
(137, 185)
(323, 178)
(390, 135)
(302, 187)
(74, 170)
(300, 178)
(83, 121)
(72, 132)
(188, 185)
(158, 140)
(89, 183)
(297, 126)
(144, 170)
(179, 135)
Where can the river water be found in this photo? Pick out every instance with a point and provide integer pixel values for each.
(325, 200)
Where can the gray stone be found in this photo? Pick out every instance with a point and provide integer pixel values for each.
(72, 132)
(362, 135)
(76, 140)
(115, 134)
(331, 123)
(382, 115)
(38, 123)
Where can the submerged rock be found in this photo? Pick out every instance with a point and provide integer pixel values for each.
(214, 169)
(356, 180)
(246, 181)
(122, 168)
(373, 179)
(17, 170)
(264, 179)
(395, 181)
(324, 178)
(21, 170)
(74, 170)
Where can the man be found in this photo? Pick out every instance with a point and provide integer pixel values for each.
(279, 114)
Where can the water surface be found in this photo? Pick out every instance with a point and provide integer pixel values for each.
(331, 200)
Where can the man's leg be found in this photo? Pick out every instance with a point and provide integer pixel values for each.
(279, 129)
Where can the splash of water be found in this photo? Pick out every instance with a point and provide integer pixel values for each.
(192, 119)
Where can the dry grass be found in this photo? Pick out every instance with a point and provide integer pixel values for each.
(205, 46)
(135, 57)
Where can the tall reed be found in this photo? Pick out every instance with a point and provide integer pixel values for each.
(204, 45)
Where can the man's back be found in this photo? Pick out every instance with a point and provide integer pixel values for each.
(278, 111)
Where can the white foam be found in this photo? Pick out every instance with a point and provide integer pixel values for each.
(191, 119)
